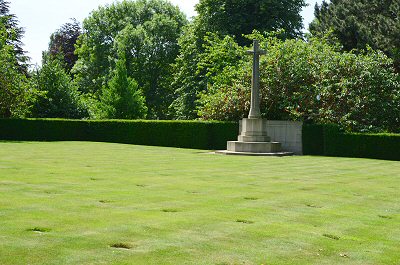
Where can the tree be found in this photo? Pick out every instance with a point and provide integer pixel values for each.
(238, 17)
(219, 54)
(225, 18)
(147, 32)
(13, 36)
(16, 95)
(63, 41)
(358, 23)
(311, 81)
(187, 79)
(60, 97)
(121, 98)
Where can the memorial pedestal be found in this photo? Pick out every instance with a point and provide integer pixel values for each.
(253, 140)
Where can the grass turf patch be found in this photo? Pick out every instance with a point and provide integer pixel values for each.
(89, 203)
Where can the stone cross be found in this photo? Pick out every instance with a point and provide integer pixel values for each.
(255, 112)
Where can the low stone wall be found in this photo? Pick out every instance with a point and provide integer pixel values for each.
(289, 133)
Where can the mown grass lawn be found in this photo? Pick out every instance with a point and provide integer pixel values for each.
(101, 203)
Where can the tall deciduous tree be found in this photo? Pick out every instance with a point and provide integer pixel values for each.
(238, 17)
(225, 17)
(147, 32)
(357, 23)
(62, 42)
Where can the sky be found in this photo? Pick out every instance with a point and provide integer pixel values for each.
(40, 18)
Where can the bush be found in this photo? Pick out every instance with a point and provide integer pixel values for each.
(184, 134)
(310, 81)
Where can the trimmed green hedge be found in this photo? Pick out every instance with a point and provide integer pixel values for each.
(313, 139)
(328, 140)
(317, 139)
(184, 134)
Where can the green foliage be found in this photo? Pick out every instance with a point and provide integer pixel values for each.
(328, 140)
(147, 32)
(185, 134)
(187, 80)
(63, 41)
(358, 23)
(311, 81)
(16, 96)
(238, 17)
(60, 97)
(121, 98)
(221, 18)
(13, 36)
(218, 55)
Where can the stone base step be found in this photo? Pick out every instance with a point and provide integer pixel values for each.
(243, 138)
(279, 154)
(254, 147)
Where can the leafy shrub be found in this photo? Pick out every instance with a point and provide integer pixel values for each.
(310, 81)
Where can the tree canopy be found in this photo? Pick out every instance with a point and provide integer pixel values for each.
(62, 42)
(13, 35)
(225, 18)
(59, 96)
(16, 95)
(142, 59)
(358, 23)
(147, 32)
(310, 81)
(238, 17)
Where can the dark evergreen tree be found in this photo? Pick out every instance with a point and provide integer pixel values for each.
(358, 23)
(14, 35)
(16, 92)
(121, 98)
(59, 95)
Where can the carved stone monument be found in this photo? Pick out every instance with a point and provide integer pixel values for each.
(253, 138)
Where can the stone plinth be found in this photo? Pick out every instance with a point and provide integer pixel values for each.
(253, 130)
(254, 140)
(254, 147)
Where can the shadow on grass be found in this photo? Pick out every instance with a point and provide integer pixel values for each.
(121, 245)
(39, 229)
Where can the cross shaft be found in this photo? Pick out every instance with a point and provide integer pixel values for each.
(255, 112)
